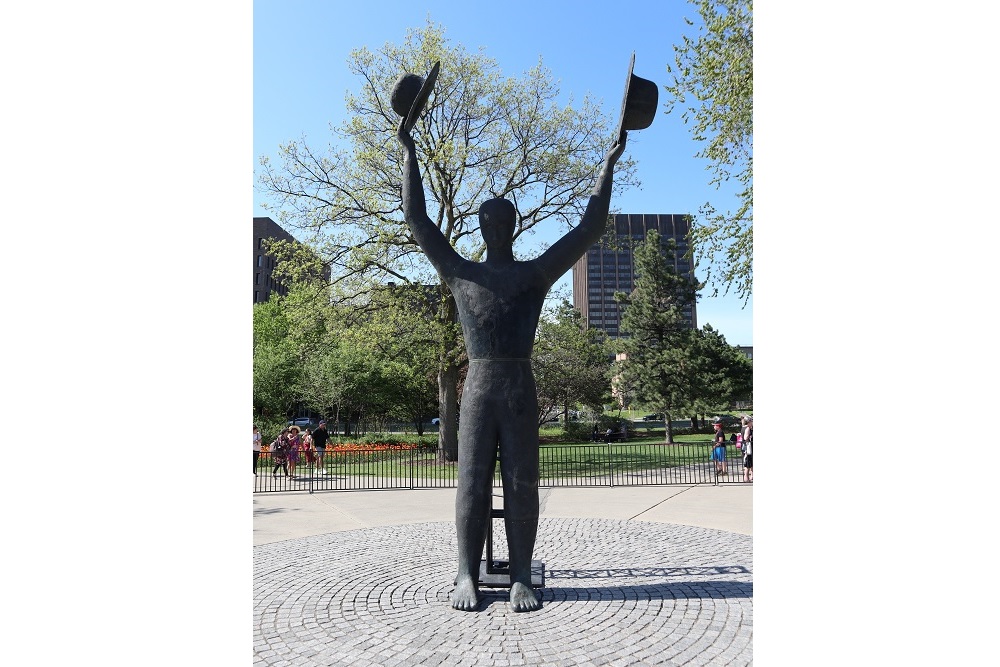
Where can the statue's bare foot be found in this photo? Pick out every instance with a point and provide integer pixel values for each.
(465, 597)
(522, 598)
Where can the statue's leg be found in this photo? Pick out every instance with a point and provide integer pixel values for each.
(477, 446)
(519, 470)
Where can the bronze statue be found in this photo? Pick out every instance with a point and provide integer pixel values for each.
(499, 302)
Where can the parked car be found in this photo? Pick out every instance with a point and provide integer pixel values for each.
(653, 418)
(729, 421)
(302, 423)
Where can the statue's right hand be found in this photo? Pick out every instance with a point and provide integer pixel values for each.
(617, 148)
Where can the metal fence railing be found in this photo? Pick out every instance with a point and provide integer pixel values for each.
(601, 464)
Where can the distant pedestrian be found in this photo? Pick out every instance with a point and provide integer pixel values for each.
(294, 447)
(279, 453)
(307, 447)
(320, 436)
(256, 448)
(719, 448)
(748, 449)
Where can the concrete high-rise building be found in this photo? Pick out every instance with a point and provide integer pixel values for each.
(608, 267)
(263, 264)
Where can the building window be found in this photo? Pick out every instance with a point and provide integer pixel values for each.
(260, 260)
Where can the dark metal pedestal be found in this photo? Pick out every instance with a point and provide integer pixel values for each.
(495, 573)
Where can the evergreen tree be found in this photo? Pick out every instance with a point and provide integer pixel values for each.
(667, 363)
(658, 365)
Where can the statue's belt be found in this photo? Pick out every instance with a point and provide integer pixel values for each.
(490, 359)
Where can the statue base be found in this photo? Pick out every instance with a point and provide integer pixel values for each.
(497, 574)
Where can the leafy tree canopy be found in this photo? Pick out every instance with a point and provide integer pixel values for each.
(712, 84)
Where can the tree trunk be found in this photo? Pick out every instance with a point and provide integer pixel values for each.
(668, 428)
(448, 424)
(448, 391)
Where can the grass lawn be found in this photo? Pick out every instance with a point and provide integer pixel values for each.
(556, 459)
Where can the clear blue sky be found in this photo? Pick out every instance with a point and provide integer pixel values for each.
(300, 77)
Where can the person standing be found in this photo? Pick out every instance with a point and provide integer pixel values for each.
(719, 450)
(748, 449)
(279, 453)
(307, 446)
(320, 436)
(294, 446)
(256, 448)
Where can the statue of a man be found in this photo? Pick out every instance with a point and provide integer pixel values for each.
(499, 302)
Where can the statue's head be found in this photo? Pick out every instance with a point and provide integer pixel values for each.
(496, 222)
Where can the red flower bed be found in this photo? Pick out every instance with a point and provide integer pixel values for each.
(371, 447)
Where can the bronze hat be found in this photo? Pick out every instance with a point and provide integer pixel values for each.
(638, 103)
(403, 89)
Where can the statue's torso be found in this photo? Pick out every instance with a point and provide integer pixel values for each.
(499, 307)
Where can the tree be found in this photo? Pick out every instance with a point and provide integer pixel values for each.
(667, 363)
(482, 136)
(724, 374)
(713, 83)
(659, 365)
(570, 363)
(275, 362)
(401, 329)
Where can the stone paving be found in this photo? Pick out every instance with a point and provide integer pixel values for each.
(617, 593)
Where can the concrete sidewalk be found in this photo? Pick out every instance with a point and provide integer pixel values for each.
(290, 515)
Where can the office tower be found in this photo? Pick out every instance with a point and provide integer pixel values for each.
(608, 266)
(263, 264)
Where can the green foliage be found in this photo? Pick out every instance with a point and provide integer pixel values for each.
(713, 84)
(275, 363)
(669, 366)
(571, 363)
(725, 374)
(658, 369)
(369, 364)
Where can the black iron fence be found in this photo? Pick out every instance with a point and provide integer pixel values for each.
(601, 464)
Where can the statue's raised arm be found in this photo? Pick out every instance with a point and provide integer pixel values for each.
(564, 253)
(427, 235)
